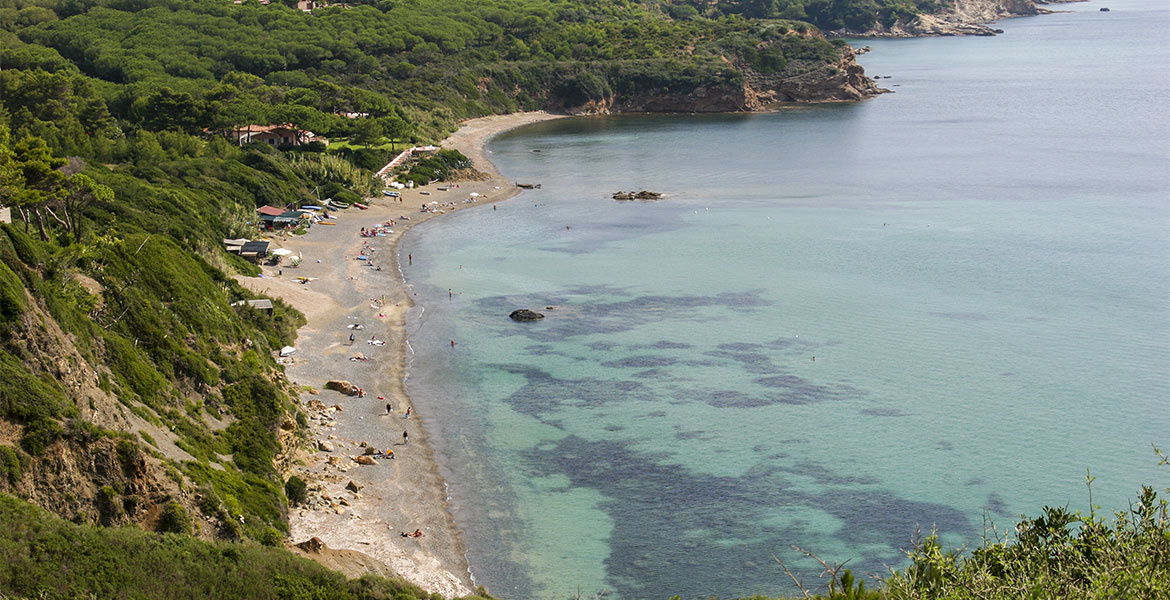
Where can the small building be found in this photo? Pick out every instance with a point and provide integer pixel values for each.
(256, 249)
(263, 304)
(275, 135)
(234, 246)
(270, 210)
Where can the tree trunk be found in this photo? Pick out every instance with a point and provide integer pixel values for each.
(41, 224)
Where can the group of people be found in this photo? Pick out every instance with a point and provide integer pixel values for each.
(378, 230)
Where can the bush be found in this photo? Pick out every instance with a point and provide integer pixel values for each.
(175, 519)
(296, 490)
(12, 464)
(270, 537)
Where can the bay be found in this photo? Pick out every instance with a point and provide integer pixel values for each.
(844, 324)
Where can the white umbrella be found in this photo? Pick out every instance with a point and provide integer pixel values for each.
(474, 194)
(281, 252)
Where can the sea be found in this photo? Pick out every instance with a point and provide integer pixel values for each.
(845, 327)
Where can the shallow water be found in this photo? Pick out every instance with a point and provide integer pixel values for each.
(979, 263)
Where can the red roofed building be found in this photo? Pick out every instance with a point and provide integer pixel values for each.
(275, 135)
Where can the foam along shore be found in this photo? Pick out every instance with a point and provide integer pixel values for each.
(342, 292)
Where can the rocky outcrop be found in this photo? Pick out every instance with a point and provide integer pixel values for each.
(642, 195)
(809, 81)
(957, 17)
(840, 80)
(524, 314)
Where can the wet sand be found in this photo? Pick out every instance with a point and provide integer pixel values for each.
(407, 492)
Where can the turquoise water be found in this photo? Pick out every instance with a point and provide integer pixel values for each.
(979, 263)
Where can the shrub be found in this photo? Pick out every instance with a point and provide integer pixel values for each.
(175, 519)
(296, 490)
(270, 537)
(12, 464)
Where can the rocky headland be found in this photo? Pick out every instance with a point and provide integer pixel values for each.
(957, 17)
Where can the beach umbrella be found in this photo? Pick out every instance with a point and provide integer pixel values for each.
(474, 194)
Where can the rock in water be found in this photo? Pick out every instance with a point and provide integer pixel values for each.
(642, 195)
(524, 314)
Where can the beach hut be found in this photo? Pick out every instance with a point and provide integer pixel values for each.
(234, 246)
(256, 249)
(263, 304)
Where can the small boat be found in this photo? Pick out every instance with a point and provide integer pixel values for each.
(391, 194)
(361, 206)
(425, 193)
(528, 186)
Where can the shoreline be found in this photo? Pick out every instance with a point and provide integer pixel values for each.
(393, 496)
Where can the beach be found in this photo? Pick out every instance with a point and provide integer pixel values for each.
(353, 293)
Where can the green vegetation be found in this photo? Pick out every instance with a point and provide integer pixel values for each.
(439, 166)
(39, 558)
(1060, 554)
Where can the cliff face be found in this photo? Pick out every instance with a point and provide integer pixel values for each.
(803, 81)
(84, 475)
(957, 17)
(104, 459)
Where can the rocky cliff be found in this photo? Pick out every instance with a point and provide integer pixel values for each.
(841, 80)
(956, 17)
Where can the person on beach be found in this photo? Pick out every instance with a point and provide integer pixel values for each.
(405, 437)
(389, 408)
(351, 339)
(407, 415)
(452, 343)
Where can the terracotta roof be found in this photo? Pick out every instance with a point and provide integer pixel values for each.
(270, 210)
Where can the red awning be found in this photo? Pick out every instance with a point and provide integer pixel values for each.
(270, 210)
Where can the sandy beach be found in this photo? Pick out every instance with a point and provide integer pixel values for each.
(406, 493)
